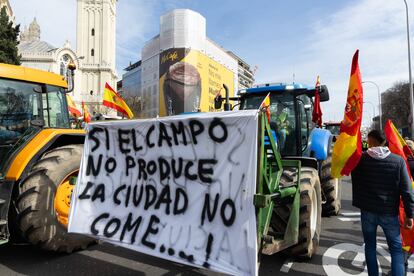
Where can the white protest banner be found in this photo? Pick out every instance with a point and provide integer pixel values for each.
(179, 188)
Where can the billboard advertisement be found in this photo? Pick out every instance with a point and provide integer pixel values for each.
(189, 81)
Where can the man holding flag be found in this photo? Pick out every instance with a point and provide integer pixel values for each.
(378, 181)
(379, 177)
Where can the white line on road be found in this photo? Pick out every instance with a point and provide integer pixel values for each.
(351, 214)
(349, 219)
(286, 266)
(384, 244)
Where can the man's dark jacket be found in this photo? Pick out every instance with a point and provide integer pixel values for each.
(378, 183)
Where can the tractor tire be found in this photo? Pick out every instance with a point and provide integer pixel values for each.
(331, 188)
(310, 214)
(37, 215)
(281, 212)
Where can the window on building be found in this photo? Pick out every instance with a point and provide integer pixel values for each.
(62, 69)
(92, 52)
(93, 32)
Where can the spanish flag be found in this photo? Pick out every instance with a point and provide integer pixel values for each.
(72, 107)
(397, 145)
(113, 100)
(348, 147)
(86, 115)
(266, 105)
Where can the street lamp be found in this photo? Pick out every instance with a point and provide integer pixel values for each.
(379, 101)
(373, 109)
(409, 71)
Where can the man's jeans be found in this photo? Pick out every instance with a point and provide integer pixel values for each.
(391, 227)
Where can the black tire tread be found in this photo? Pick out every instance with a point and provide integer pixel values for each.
(331, 189)
(36, 214)
(308, 180)
(307, 246)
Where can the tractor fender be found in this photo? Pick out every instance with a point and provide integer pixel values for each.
(320, 142)
(43, 141)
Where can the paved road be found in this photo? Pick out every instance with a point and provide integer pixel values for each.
(340, 253)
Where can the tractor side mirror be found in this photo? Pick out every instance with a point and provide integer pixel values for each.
(324, 93)
(71, 71)
(218, 101)
(37, 123)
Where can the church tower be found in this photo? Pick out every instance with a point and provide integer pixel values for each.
(95, 38)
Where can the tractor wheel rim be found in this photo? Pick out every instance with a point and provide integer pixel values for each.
(313, 213)
(62, 199)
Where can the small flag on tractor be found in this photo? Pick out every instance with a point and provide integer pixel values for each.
(266, 105)
(397, 145)
(72, 107)
(348, 147)
(86, 115)
(317, 111)
(113, 100)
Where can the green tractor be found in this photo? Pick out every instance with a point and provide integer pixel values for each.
(295, 186)
(295, 134)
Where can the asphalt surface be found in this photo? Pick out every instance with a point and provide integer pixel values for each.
(340, 253)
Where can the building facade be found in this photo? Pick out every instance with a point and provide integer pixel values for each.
(245, 73)
(182, 69)
(44, 56)
(94, 56)
(95, 36)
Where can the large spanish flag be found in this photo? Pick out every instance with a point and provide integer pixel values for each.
(72, 107)
(348, 147)
(398, 146)
(86, 115)
(113, 100)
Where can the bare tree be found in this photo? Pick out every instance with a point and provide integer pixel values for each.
(135, 104)
(396, 105)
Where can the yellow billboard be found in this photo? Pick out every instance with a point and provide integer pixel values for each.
(189, 81)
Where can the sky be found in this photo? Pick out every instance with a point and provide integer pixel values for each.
(288, 41)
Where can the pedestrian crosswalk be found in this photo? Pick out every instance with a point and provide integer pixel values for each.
(349, 216)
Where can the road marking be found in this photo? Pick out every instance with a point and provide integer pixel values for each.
(286, 266)
(351, 214)
(120, 261)
(348, 219)
(331, 256)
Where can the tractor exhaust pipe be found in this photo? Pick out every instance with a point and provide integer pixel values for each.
(227, 105)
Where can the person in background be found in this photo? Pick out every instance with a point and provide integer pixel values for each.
(410, 144)
(282, 122)
(378, 181)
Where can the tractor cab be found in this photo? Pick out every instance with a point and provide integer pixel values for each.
(30, 100)
(40, 154)
(291, 108)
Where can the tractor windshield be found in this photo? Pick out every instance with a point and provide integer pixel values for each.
(19, 104)
(282, 118)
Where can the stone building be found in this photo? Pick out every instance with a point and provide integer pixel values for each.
(94, 55)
